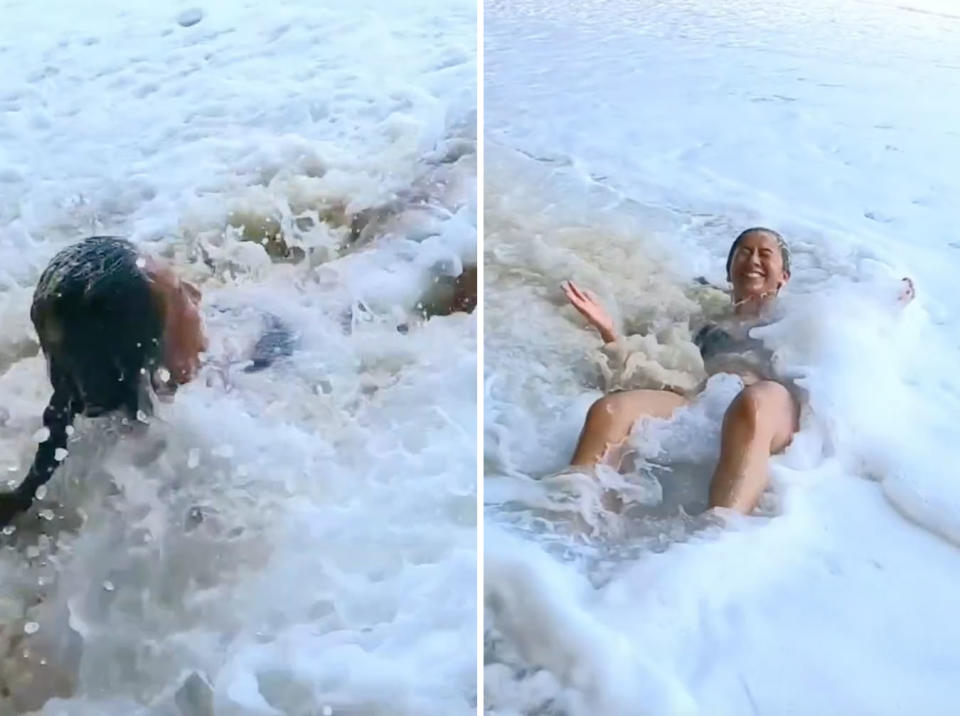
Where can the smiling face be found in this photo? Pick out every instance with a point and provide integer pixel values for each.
(756, 267)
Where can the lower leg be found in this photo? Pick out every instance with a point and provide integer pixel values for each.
(741, 473)
(759, 423)
(610, 419)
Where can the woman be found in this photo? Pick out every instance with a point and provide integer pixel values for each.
(761, 420)
(111, 323)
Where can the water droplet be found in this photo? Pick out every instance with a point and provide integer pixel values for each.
(42, 435)
(9, 530)
(141, 262)
(108, 586)
(46, 515)
(41, 492)
(142, 416)
(60, 454)
(31, 627)
(193, 458)
(163, 374)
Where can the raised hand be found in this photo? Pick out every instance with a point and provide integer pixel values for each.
(590, 308)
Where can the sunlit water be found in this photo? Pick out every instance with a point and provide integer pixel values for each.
(299, 540)
(627, 144)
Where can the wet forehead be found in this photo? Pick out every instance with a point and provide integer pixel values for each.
(756, 240)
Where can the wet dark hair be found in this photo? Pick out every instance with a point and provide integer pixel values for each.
(101, 329)
(784, 249)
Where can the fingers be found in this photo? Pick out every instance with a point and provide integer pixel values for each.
(573, 292)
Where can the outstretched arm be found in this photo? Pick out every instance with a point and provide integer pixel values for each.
(590, 308)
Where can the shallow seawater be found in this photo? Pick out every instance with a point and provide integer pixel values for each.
(298, 539)
(627, 145)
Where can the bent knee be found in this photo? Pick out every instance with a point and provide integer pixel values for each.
(765, 403)
(607, 406)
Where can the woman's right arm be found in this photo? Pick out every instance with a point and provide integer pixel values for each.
(644, 363)
(589, 307)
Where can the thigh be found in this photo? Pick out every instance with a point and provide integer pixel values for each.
(631, 405)
(611, 418)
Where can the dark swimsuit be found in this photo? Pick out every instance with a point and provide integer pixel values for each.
(724, 352)
(711, 339)
(734, 351)
(277, 341)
